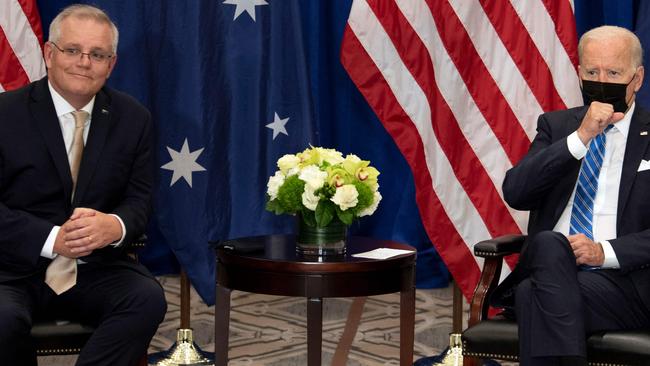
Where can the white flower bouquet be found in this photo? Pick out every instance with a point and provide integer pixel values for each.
(321, 185)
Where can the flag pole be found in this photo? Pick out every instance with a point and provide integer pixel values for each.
(185, 352)
(454, 355)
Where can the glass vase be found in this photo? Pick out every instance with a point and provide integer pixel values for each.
(321, 241)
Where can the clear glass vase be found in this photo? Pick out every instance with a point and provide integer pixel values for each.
(321, 241)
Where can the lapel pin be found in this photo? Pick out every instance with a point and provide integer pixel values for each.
(106, 112)
(644, 133)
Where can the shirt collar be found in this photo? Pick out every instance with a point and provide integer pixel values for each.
(62, 106)
(623, 126)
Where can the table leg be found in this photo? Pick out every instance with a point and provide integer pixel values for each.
(407, 326)
(314, 330)
(221, 325)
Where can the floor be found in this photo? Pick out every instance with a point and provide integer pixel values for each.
(271, 330)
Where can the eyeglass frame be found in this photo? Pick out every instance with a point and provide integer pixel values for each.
(93, 56)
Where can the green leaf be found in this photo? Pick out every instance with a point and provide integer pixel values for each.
(365, 198)
(274, 207)
(324, 213)
(346, 216)
(308, 217)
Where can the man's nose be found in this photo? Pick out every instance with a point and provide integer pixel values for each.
(84, 60)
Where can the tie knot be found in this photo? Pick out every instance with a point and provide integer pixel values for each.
(79, 118)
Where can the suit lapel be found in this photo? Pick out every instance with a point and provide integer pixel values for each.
(99, 129)
(635, 149)
(49, 127)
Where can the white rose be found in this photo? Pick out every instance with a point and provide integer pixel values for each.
(309, 199)
(274, 184)
(373, 207)
(313, 176)
(293, 171)
(346, 196)
(287, 162)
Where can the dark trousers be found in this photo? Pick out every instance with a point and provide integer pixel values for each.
(124, 305)
(558, 305)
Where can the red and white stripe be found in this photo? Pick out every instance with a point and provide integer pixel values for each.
(21, 39)
(459, 85)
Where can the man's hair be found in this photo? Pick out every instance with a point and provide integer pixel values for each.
(607, 32)
(82, 11)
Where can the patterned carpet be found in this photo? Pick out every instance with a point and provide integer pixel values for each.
(271, 330)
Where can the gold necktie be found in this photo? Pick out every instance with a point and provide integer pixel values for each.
(61, 274)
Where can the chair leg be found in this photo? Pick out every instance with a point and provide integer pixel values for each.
(143, 361)
(471, 361)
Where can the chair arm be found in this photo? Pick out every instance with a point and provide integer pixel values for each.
(493, 250)
(499, 246)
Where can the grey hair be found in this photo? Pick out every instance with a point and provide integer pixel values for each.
(607, 32)
(82, 11)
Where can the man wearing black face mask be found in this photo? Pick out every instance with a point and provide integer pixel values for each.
(585, 266)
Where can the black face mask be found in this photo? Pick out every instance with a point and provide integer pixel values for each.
(611, 93)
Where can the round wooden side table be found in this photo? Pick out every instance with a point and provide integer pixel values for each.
(270, 265)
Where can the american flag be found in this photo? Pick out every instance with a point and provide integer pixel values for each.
(459, 85)
(21, 38)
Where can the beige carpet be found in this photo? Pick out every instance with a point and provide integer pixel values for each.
(271, 330)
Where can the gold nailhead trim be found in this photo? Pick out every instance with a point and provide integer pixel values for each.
(54, 351)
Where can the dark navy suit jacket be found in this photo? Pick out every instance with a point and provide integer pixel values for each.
(542, 182)
(115, 176)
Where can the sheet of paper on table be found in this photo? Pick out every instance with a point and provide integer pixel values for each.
(381, 253)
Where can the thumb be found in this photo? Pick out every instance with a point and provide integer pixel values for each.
(617, 116)
(82, 212)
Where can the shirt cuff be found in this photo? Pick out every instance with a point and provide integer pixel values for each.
(48, 247)
(610, 256)
(118, 243)
(575, 145)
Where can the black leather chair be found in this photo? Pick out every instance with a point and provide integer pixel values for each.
(62, 337)
(496, 338)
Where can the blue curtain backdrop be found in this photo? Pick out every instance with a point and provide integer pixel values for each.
(215, 75)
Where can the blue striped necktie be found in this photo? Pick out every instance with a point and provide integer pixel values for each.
(582, 213)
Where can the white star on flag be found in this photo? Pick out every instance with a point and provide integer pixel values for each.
(245, 6)
(278, 125)
(183, 163)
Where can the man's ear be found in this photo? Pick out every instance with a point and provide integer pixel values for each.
(111, 65)
(580, 76)
(640, 72)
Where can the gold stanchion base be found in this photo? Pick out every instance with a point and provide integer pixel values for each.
(184, 352)
(454, 356)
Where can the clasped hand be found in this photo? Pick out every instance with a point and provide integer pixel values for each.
(586, 250)
(85, 231)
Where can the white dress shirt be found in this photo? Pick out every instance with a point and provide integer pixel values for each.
(606, 201)
(66, 120)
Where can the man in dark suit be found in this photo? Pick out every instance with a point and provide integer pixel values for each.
(66, 203)
(575, 277)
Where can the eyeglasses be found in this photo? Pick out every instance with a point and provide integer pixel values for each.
(95, 56)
